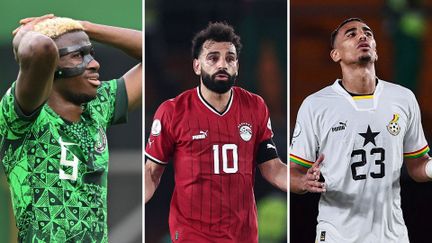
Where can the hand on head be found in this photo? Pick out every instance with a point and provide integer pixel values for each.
(310, 179)
(28, 23)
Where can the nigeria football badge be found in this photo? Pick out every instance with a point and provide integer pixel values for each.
(245, 130)
(393, 126)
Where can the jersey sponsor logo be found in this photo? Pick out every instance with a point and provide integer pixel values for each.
(101, 143)
(150, 142)
(271, 146)
(339, 127)
(202, 135)
(322, 236)
(269, 126)
(245, 130)
(156, 127)
(393, 127)
(297, 130)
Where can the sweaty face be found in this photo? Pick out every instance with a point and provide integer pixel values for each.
(355, 43)
(82, 88)
(217, 66)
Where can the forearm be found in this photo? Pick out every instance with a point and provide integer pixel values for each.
(279, 179)
(153, 174)
(150, 186)
(127, 40)
(417, 168)
(37, 56)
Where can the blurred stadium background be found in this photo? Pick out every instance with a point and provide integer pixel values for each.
(125, 141)
(262, 26)
(403, 34)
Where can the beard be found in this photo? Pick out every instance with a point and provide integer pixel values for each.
(218, 86)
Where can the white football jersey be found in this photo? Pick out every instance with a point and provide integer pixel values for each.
(364, 140)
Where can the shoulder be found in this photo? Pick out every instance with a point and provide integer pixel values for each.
(247, 96)
(179, 101)
(398, 91)
(320, 97)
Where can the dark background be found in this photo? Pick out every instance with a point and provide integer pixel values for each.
(170, 27)
(403, 39)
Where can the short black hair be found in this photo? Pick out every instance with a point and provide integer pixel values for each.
(217, 31)
(335, 32)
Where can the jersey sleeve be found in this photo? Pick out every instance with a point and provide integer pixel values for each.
(304, 144)
(266, 148)
(14, 124)
(415, 144)
(110, 105)
(161, 142)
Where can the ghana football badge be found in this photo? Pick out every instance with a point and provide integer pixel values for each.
(245, 130)
(393, 127)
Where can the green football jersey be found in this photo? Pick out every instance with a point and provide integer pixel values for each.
(57, 170)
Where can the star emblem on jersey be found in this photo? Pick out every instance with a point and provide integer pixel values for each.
(393, 127)
(245, 130)
(369, 136)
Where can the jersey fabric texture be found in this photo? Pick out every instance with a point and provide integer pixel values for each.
(364, 140)
(57, 170)
(214, 158)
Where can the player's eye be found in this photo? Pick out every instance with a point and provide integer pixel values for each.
(351, 34)
(230, 59)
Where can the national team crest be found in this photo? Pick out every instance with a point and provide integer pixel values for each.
(245, 130)
(393, 127)
(101, 144)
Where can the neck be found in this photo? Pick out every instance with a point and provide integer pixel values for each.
(216, 100)
(359, 79)
(66, 109)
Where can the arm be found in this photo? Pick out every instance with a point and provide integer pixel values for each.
(37, 56)
(304, 180)
(129, 41)
(417, 168)
(275, 172)
(153, 174)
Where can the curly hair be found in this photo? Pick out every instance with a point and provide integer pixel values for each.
(56, 27)
(217, 31)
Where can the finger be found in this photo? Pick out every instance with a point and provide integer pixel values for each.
(319, 160)
(313, 186)
(26, 20)
(16, 31)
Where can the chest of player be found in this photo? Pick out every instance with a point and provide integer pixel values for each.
(75, 152)
(344, 125)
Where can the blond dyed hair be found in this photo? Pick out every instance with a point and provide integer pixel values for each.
(56, 27)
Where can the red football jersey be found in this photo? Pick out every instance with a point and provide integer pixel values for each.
(214, 158)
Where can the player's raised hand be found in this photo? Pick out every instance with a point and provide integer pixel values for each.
(310, 179)
(28, 23)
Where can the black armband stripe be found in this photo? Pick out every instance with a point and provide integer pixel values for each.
(153, 159)
(266, 151)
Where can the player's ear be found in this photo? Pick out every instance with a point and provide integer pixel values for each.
(335, 56)
(196, 66)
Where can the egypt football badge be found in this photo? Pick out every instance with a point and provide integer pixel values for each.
(393, 127)
(245, 130)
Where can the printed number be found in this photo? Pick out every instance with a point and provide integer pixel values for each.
(65, 162)
(225, 149)
(362, 163)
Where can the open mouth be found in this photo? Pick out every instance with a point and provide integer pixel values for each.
(363, 45)
(94, 79)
